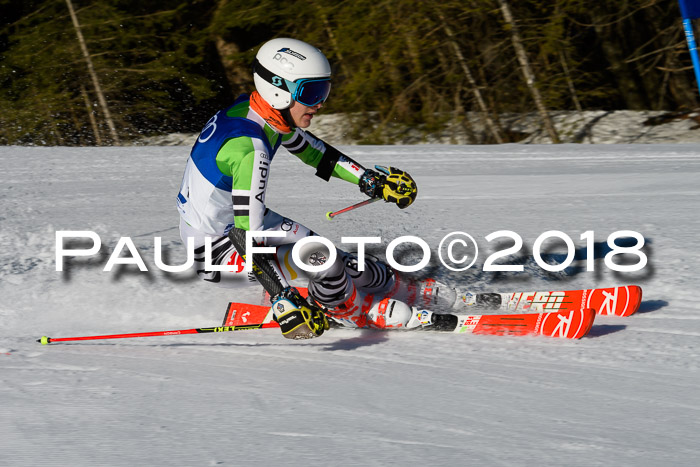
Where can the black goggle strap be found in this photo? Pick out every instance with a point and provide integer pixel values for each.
(270, 77)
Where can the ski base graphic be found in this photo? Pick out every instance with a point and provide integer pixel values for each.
(612, 301)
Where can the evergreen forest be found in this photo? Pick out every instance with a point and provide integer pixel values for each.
(102, 72)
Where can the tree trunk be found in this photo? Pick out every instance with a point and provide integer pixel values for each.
(488, 122)
(569, 81)
(91, 70)
(91, 116)
(527, 72)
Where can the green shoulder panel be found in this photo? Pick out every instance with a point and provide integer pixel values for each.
(232, 154)
(239, 110)
(235, 149)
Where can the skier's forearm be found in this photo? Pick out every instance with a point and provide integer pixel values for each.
(348, 169)
(327, 160)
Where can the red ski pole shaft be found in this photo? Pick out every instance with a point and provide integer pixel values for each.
(330, 214)
(48, 340)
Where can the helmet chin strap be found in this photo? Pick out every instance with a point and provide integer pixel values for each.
(287, 115)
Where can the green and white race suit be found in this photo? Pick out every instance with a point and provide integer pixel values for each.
(228, 172)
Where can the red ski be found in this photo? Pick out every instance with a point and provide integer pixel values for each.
(569, 324)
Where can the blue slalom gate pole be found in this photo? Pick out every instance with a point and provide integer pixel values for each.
(690, 9)
(693, 48)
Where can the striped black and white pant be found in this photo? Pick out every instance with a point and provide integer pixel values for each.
(331, 287)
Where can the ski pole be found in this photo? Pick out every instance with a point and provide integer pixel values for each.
(48, 340)
(330, 214)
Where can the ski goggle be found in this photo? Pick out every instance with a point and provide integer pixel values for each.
(306, 91)
(310, 91)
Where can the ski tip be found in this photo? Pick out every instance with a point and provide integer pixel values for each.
(630, 297)
(44, 340)
(329, 216)
(623, 300)
(635, 300)
(589, 315)
(571, 324)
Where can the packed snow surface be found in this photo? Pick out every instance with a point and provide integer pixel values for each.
(626, 395)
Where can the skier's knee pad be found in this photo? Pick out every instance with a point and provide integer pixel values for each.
(390, 313)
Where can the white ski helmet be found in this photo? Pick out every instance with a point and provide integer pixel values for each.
(289, 69)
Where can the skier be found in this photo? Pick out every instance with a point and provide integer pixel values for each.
(226, 180)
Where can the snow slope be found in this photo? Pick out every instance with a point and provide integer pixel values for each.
(627, 395)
